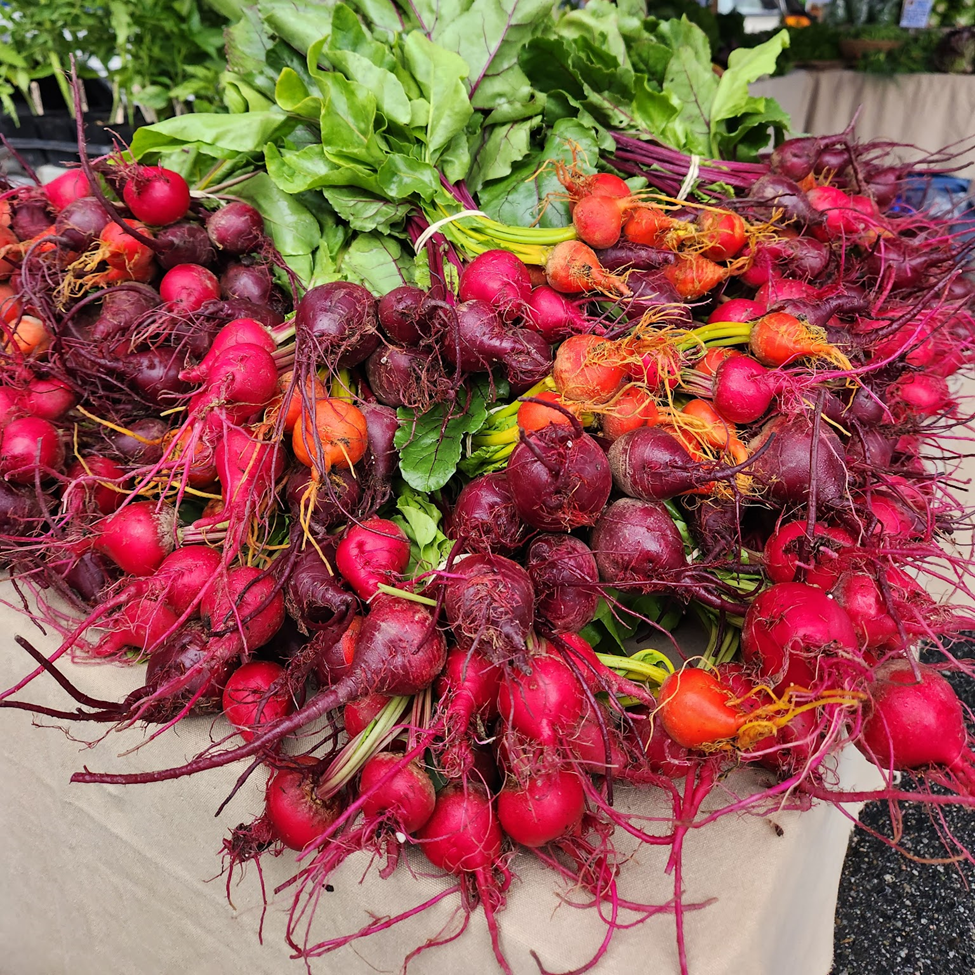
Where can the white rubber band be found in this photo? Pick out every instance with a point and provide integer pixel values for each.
(434, 227)
(693, 171)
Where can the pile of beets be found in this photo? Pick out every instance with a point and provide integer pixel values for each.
(741, 413)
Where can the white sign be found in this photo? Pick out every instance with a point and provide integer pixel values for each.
(916, 13)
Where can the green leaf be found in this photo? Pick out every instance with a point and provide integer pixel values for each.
(750, 135)
(348, 119)
(376, 262)
(440, 75)
(216, 135)
(293, 229)
(655, 110)
(488, 36)
(519, 199)
(745, 65)
(430, 444)
(292, 96)
(692, 83)
(368, 63)
(650, 57)
(402, 177)
(597, 22)
(349, 35)
(420, 519)
(365, 211)
(382, 15)
(299, 24)
(504, 146)
(9, 56)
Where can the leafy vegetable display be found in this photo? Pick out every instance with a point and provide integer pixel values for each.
(385, 417)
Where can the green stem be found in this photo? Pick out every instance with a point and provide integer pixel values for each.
(406, 594)
(360, 749)
(634, 668)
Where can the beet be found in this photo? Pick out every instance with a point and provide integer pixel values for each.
(236, 228)
(252, 282)
(784, 469)
(123, 308)
(333, 501)
(564, 573)
(772, 192)
(651, 464)
(490, 606)
(80, 222)
(175, 656)
(184, 243)
(560, 478)
(337, 323)
(485, 517)
(636, 544)
(406, 377)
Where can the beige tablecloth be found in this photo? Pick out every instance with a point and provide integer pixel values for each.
(929, 111)
(113, 880)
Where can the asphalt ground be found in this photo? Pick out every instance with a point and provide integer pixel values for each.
(897, 916)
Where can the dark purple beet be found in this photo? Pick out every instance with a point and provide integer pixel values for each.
(882, 185)
(184, 243)
(236, 228)
(651, 464)
(316, 598)
(626, 255)
(904, 262)
(560, 478)
(803, 257)
(30, 215)
(400, 313)
(490, 606)
(181, 651)
(337, 498)
(650, 291)
(563, 571)
(865, 408)
(772, 192)
(479, 338)
(18, 510)
(80, 222)
(252, 282)
(785, 467)
(155, 374)
(336, 323)
(88, 576)
(530, 361)
(222, 312)
(795, 158)
(380, 460)
(138, 451)
(485, 518)
(870, 448)
(818, 312)
(406, 377)
(832, 159)
(123, 308)
(637, 545)
(716, 526)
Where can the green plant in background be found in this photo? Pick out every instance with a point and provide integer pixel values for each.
(953, 13)
(864, 13)
(159, 56)
(692, 10)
